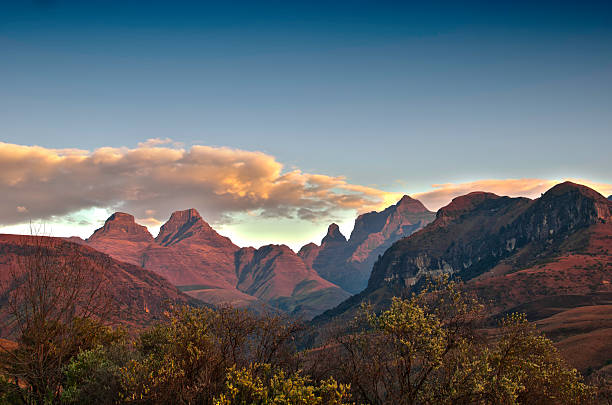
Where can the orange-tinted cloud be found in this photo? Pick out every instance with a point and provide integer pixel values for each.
(442, 194)
(160, 176)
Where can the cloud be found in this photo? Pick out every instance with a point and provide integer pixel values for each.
(159, 176)
(442, 194)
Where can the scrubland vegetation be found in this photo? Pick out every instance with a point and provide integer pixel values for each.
(428, 348)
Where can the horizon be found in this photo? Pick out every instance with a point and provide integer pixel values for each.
(275, 119)
(538, 187)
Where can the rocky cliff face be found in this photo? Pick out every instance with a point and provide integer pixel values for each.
(477, 231)
(190, 254)
(329, 259)
(188, 227)
(348, 263)
(122, 226)
(122, 236)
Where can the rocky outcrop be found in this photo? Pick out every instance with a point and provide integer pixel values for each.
(348, 263)
(122, 226)
(309, 252)
(476, 231)
(121, 237)
(188, 226)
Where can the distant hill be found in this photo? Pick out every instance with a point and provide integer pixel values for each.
(550, 257)
(139, 296)
(348, 263)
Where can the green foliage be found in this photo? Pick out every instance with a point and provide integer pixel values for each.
(37, 363)
(186, 359)
(260, 384)
(525, 367)
(428, 349)
(94, 376)
(10, 393)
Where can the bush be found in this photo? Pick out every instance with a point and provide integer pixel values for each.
(260, 384)
(186, 360)
(428, 349)
(94, 376)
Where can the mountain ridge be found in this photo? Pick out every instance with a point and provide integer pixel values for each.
(347, 263)
(547, 257)
(208, 266)
(139, 296)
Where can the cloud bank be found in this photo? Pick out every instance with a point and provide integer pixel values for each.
(159, 176)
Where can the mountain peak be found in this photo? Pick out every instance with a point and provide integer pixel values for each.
(578, 198)
(409, 204)
(467, 202)
(122, 226)
(189, 225)
(182, 225)
(121, 217)
(333, 235)
(568, 187)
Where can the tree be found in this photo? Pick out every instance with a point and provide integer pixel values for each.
(55, 309)
(185, 360)
(429, 349)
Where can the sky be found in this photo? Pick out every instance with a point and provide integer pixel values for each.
(274, 118)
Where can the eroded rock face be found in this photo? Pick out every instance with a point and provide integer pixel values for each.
(122, 238)
(122, 226)
(308, 253)
(476, 231)
(348, 263)
(189, 226)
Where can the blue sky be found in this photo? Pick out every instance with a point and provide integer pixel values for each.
(392, 95)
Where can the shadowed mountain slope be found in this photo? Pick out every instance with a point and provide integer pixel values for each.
(348, 263)
(543, 257)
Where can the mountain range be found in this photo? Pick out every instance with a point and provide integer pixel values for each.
(190, 254)
(550, 257)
